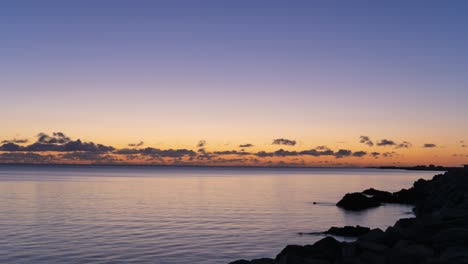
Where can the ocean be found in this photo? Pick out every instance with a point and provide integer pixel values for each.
(176, 215)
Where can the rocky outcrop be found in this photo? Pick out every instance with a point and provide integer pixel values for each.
(357, 201)
(438, 234)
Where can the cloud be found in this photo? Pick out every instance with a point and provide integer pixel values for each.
(375, 154)
(342, 153)
(231, 152)
(10, 147)
(386, 142)
(20, 157)
(95, 157)
(248, 145)
(389, 154)
(68, 146)
(359, 154)
(15, 141)
(318, 151)
(285, 153)
(404, 144)
(263, 154)
(139, 144)
(284, 141)
(201, 143)
(366, 140)
(154, 152)
(429, 145)
(56, 138)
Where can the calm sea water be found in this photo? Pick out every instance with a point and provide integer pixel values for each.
(177, 215)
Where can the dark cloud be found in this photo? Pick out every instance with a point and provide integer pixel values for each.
(263, 154)
(386, 142)
(375, 154)
(28, 157)
(154, 152)
(285, 153)
(359, 154)
(56, 138)
(319, 151)
(201, 143)
(248, 145)
(15, 141)
(10, 147)
(139, 144)
(429, 145)
(404, 144)
(38, 146)
(284, 141)
(366, 140)
(92, 156)
(343, 153)
(231, 152)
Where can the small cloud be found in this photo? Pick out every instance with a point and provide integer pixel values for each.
(389, 154)
(139, 144)
(404, 144)
(386, 142)
(375, 154)
(366, 140)
(322, 148)
(429, 145)
(342, 153)
(201, 143)
(359, 153)
(284, 141)
(248, 145)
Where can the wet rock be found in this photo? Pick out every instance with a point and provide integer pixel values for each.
(357, 201)
(350, 231)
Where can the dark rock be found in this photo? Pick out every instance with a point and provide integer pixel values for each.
(375, 235)
(351, 231)
(405, 252)
(240, 261)
(451, 237)
(327, 248)
(357, 201)
(263, 261)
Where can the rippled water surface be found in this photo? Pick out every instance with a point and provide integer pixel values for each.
(177, 215)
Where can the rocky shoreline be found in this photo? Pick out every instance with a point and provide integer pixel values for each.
(437, 235)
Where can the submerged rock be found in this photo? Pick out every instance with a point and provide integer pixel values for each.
(357, 201)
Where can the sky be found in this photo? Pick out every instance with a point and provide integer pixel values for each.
(322, 74)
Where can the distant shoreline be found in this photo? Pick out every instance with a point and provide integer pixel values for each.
(418, 168)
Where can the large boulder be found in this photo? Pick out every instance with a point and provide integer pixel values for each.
(357, 201)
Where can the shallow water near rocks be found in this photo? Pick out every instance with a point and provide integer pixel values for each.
(119, 214)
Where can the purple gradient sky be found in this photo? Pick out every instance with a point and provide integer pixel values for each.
(173, 72)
